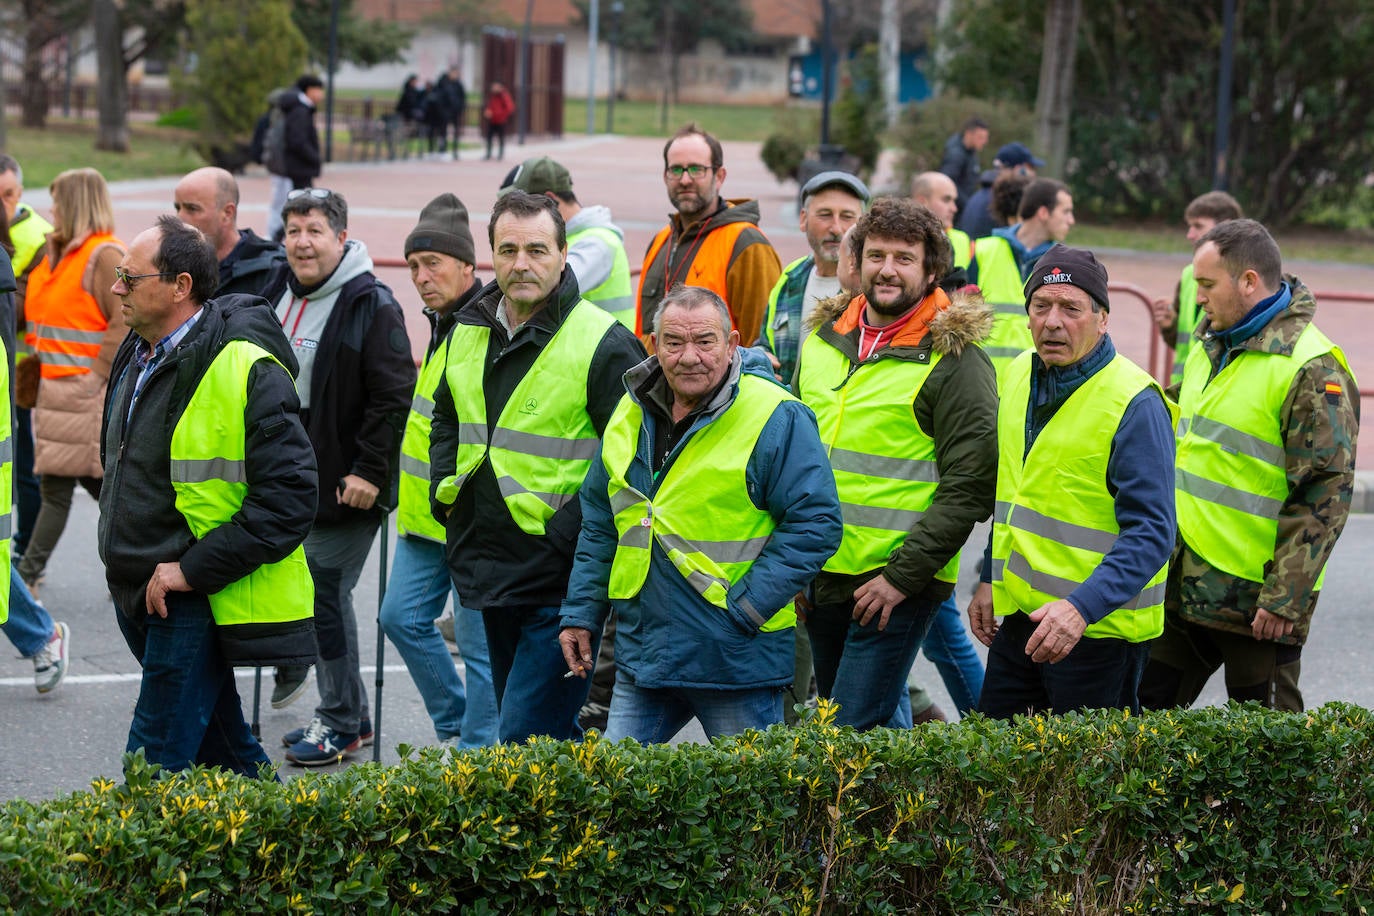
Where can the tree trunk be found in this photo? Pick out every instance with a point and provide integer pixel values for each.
(112, 89)
(943, 10)
(889, 57)
(669, 58)
(33, 96)
(1054, 101)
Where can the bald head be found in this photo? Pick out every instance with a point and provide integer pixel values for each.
(208, 199)
(936, 192)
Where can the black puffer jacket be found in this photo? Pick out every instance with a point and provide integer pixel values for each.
(250, 265)
(302, 139)
(140, 526)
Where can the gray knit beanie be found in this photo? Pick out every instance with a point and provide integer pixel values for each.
(443, 227)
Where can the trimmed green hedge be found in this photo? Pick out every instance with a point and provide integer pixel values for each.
(1232, 810)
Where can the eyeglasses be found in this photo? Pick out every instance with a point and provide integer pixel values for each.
(131, 280)
(676, 172)
(317, 193)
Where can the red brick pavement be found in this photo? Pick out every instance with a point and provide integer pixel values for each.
(625, 175)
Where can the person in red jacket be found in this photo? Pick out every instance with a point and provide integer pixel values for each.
(499, 108)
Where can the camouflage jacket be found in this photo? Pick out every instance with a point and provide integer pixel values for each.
(1319, 432)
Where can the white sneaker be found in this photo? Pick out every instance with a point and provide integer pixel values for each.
(50, 664)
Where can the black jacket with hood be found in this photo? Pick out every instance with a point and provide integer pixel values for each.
(140, 526)
(494, 563)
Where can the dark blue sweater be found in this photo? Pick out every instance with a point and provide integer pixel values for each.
(1140, 478)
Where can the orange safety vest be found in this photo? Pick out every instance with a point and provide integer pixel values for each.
(66, 325)
(707, 269)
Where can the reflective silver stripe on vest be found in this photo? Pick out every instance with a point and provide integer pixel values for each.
(544, 446)
(1019, 566)
(1230, 497)
(999, 566)
(1183, 426)
(509, 487)
(1062, 532)
(67, 359)
(6, 449)
(200, 470)
(1000, 510)
(636, 537)
(745, 551)
(1003, 352)
(472, 434)
(1009, 308)
(879, 517)
(69, 335)
(423, 406)
(914, 469)
(415, 467)
(1236, 442)
(6, 527)
(625, 498)
(614, 304)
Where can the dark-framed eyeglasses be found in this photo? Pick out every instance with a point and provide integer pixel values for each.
(317, 193)
(131, 280)
(676, 172)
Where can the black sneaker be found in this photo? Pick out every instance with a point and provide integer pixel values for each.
(290, 683)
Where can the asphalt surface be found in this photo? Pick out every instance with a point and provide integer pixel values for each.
(60, 742)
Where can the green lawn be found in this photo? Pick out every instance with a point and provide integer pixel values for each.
(645, 119)
(1354, 247)
(67, 144)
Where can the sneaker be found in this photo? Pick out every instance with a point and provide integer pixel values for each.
(50, 664)
(320, 745)
(445, 627)
(365, 736)
(594, 715)
(290, 683)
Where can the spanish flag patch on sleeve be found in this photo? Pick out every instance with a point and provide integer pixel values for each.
(1333, 392)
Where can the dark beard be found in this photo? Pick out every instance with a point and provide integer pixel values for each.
(898, 308)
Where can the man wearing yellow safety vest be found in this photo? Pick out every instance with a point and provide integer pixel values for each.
(936, 192)
(532, 376)
(905, 403)
(441, 256)
(1269, 416)
(1073, 584)
(210, 488)
(1002, 264)
(1177, 318)
(596, 246)
(831, 203)
(708, 508)
(28, 234)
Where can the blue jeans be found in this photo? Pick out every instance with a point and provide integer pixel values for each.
(949, 646)
(654, 716)
(1096, 674)
(188, 708)
(29, 626)
(416, 592)
(527, 671)
(862, 668)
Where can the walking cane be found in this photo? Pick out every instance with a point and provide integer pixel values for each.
(381, 643)
(256, 728)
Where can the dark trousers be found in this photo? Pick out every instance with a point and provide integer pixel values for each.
(1097, 674)
(27, 498)
(496, 132)
(863, 669)
(188, 709)
(1187, 654)
(51, 522)
(527, 668)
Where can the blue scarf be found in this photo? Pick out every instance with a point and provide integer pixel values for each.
(1254, 321)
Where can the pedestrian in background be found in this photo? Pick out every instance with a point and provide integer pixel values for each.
(75, 326)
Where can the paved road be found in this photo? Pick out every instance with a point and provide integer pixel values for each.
(60, 742)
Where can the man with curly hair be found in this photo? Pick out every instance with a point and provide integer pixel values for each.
(906, 404)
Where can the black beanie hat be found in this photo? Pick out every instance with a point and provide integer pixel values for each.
(443, 227)
(1074, 266)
